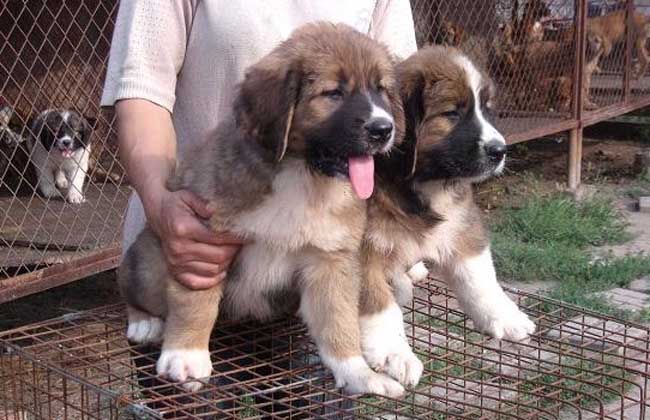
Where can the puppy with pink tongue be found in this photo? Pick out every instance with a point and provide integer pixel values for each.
(362, 175)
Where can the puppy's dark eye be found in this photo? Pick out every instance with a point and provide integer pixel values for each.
(452, 115)
(334, 94)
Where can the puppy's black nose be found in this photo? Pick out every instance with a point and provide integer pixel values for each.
(66, 142)
(379, 129)
(495, 150)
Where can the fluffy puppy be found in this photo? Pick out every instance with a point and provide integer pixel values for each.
(423, 207)
(288, 173)
(60, 150)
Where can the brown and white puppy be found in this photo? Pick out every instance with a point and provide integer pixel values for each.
(287, 173)
(60, 149)
(423, 207)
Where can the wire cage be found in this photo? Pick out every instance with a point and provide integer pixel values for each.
(53, 55)
(578, 365)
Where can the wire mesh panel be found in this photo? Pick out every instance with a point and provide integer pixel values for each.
(528, 48)
(54, 207)
(539, 51)
(578, 365)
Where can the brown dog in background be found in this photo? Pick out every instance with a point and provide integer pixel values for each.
(288, 173)
(611, 29)
(424, 210)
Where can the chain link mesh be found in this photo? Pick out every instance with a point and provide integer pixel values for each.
(53, 55)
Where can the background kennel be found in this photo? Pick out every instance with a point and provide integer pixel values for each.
(53, 54)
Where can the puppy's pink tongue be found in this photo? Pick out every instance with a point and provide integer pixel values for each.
(362, 175)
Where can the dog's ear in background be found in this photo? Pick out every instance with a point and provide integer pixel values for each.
(88, 124)
(266, 100)
(412, 90)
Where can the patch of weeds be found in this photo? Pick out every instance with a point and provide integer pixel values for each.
(583, 382)
(246, 404)
(369, 406)
(640, 186)
(445, 363)
(454, 325)
(548, 238)
(525, 261)
(600, 276)
(562, 221)
(642, 316)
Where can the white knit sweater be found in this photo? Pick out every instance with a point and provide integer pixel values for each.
(187, 55)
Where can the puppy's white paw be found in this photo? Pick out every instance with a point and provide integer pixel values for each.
(61, 181)
(371, 382)
(147, 330)
(418, 272)
(503, 321)
(75, 196)
(355, 377)
(386, 349)
(179, 365)
(402, 365)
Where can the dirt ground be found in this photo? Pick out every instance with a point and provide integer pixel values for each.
(537, 166)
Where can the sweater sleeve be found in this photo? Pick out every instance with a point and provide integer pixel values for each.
(147, 51)
(392, 24)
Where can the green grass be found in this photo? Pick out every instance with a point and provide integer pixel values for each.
(550, 238)
(582, 381)
(640, 186)
(562, 221)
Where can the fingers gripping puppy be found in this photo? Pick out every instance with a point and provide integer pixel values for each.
(423, 208)
(289, 172)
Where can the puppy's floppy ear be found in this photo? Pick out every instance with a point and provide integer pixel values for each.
(412, 90)
(266, 100)
(88, 124)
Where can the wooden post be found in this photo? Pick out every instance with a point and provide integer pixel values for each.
(575, 135)
(575, 158)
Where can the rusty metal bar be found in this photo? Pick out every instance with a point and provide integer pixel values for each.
(605, 113)
(536, 133)
(629, 19)
(58, 274)
(579, 364)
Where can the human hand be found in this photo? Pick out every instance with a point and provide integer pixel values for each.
(197, 256)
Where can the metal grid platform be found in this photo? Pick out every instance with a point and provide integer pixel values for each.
(578, 365)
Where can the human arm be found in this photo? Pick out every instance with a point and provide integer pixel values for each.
(141, 86)
(392, 24)
(196, 256)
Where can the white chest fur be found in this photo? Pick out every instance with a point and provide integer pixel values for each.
(302, 210)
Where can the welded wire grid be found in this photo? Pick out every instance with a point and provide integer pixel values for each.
(53, 55)
(578, 365)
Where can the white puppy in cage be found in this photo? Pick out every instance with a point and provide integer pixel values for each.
(60, 151)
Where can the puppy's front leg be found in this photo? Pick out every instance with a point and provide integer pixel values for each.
(474, 281)
(383, 339)
(46, 182)
(77, 176)
(190, 318)
(329, 306)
